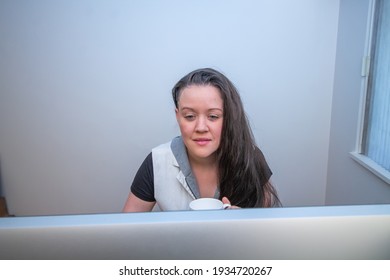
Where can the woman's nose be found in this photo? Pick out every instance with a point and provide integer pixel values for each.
(201, 124)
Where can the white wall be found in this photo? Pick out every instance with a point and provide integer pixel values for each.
(348, 181)
(85, 91)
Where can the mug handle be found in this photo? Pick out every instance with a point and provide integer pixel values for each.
(226, 206)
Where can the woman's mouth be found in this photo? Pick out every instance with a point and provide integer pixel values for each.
(202, 141)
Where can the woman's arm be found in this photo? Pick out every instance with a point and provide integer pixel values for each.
(135, 204)
(141, 197)
(271, 198)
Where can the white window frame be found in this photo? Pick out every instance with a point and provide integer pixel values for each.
(358, 155)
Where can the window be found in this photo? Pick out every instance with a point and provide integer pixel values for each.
(374, 150)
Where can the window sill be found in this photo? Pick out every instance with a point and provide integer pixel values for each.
(372, 166)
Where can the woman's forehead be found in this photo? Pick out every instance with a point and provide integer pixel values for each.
(198, 95)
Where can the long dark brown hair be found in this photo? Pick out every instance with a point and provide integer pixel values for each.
(239, 160)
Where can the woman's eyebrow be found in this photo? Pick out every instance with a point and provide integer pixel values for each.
(210, 109)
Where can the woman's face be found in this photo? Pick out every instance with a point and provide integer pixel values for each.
(200, 117)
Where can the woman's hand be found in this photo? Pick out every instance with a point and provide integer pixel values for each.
(225, 200)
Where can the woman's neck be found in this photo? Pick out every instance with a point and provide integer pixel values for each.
(206, 174)
(203, 163)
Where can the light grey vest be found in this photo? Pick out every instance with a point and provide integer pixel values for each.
(174, 184)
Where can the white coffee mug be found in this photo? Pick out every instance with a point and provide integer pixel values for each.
(208, 204)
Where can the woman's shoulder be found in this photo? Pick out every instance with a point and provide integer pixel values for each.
(258, 152)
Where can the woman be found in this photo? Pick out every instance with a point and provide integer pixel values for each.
(215, 156)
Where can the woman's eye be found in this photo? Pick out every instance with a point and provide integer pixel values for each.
(213, 117)
(189, 117)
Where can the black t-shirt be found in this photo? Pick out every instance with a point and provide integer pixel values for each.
(143, 183)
